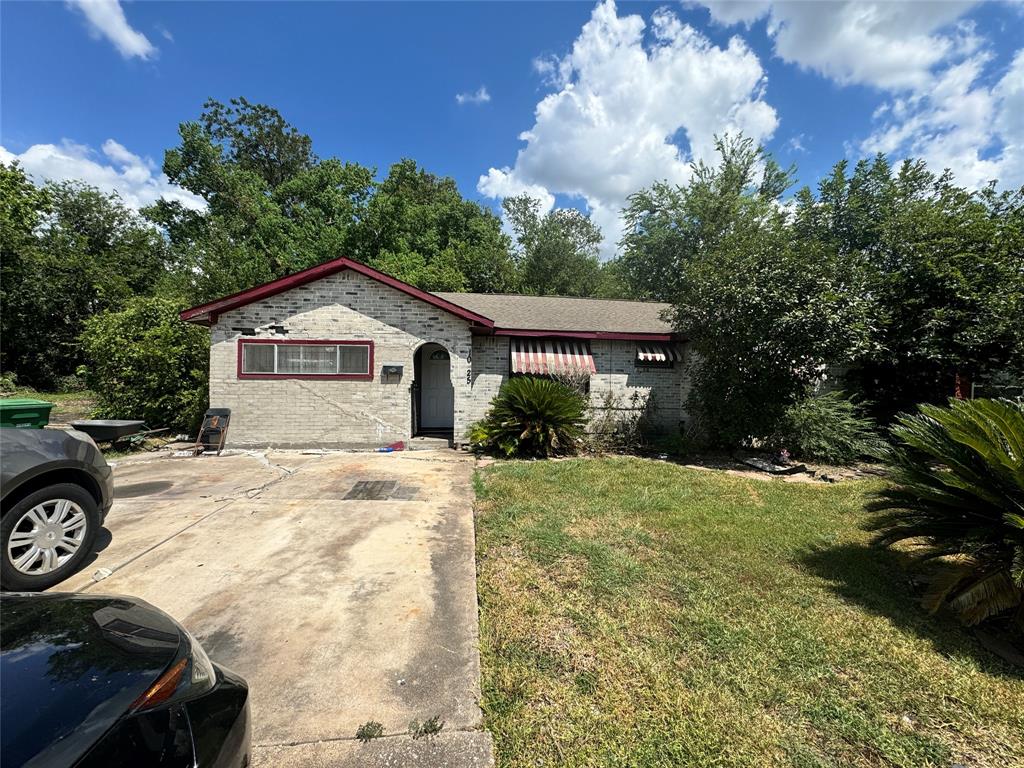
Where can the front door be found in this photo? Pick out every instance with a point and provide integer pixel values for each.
(437, 395)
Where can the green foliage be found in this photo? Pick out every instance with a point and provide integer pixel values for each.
(827, 427)
(418, 228)
(532, 416)
(764, 311)
(70, 251)
(942, 265)
(958, 475)
(557, 251)
(429, 727)
(622, 424)
(369, 731)
(144, 363)
(272, 206)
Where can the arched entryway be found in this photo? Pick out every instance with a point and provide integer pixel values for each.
(433, 393)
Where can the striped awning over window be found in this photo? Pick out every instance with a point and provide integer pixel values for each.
(658, 353)
(548, 356)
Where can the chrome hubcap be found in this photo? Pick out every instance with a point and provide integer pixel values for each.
(46, 536)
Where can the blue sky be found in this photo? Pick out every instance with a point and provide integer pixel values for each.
(581, 103)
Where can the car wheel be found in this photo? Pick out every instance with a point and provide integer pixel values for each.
(46, 536)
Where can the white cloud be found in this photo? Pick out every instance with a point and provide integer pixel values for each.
(961, 124)
(883, 44)
(622, 107)
(479, 96)
(932, 66)
(106, 19)
(135, 179)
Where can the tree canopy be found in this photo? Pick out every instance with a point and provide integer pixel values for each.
(69, 252)
(766, 313)
(557, 252)
(898, 276)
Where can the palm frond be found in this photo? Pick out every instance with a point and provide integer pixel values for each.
(532, 416)
(958, 488)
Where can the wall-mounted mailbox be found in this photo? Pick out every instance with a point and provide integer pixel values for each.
(391, 370)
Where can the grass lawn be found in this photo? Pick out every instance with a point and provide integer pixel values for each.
(639, 613)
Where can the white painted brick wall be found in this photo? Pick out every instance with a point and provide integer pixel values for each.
(350, 306)
(617, 374)
(306, 412)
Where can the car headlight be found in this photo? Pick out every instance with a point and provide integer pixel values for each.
(191, 675)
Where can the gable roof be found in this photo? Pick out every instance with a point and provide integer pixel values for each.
(602, 317)
(498, 313)
(206, 314)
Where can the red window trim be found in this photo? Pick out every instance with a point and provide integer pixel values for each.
(321, 376)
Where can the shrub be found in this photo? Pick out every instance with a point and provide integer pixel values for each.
(958, 489)
(70, 383)
(532, 417)
(622, 425)
(827, 427)
(145, 363)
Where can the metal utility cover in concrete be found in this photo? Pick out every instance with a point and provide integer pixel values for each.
(371, 490)
(337, 609)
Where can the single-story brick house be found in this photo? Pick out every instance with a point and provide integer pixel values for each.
(341, 355)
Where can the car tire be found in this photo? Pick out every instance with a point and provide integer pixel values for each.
(61, 522)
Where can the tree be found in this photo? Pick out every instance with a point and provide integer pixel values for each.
(765, 313)
(145, 363)
(558, 252)
(274, 208)
(82, 252)
(271, 206)
(419, 228)
(22, 206)
(945, 268)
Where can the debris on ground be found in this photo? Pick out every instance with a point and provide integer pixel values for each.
(772, 468)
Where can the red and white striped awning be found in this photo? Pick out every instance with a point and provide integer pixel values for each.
(548, 356)
(658, 353)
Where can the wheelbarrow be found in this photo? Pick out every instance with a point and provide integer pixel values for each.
(114, 431)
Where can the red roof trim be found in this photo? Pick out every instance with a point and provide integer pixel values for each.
(205, 314)
(614, 335)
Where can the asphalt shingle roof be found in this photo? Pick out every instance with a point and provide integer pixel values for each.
(560, 313)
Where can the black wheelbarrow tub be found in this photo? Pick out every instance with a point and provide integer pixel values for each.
(108, 430)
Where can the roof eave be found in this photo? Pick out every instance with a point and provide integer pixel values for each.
(609, 335)
(206, 314)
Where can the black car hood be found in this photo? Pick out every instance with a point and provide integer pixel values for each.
(70, 667)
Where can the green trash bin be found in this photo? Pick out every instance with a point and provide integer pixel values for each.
(24, 412)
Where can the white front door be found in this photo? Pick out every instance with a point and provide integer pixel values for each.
(437, 395)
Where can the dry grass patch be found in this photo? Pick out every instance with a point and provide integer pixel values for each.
(637, 613)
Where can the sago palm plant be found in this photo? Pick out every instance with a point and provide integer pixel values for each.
(532, 417)
(958, 492)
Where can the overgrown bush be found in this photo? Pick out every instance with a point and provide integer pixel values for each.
(70, 383)
(958, 491)
(145, 363)
(827, 427)
(532, 417)
(620, 425)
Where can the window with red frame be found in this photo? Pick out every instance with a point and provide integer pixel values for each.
(297, 359)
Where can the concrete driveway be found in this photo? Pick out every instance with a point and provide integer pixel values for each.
(341, 586)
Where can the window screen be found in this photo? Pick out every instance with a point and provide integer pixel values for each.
(258, 358)
(353, 359)
(305, 359)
